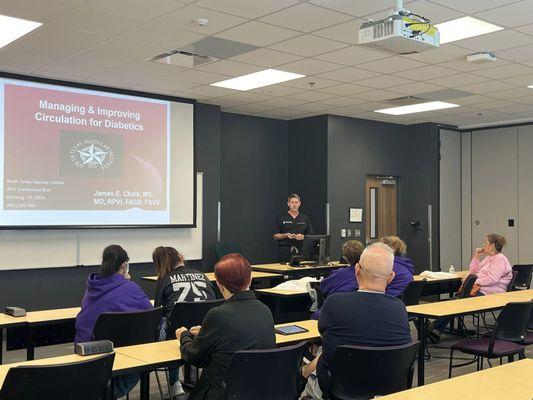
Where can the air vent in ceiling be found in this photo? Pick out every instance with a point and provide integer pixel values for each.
(182, 58)
(404, 101)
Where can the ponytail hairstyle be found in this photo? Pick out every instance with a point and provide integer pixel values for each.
(112, 259)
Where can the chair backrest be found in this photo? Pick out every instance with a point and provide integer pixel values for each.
(511, 324)
(365, 372)
(512, 284)
(466, 287)
(413, 291)
(128, 328)
(523, 280)
(191, 314)
(227, 248)
(265, 374)
(530, 323)
(85, 380)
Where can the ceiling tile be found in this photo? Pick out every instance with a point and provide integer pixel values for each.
(392, 65)
(495, 105)
(38, 10)
(347, 32)
(142, 10)
(250, 108)
(311, 96)
(510, 15)
(356, 8)
(465, 66)
(305, 17)
(349, 74)
(435, 12)
(345, 89)
(514, 93)
(517, 54)
(311, 82)
(200, 76)
(507, 71)
(309, 66)
(486, 87)
(230, 68)
(169, 83)
(247, 8)
(308, 45)
(55, 41)
(527, 29)
(522, 81)
(458, 80)
(247, 97)
(500, 40)
(384, 81)
(524, 100)
(377, 95)
(95, 20)
(13, 61)
(446, 52)
(258, 33)
(474, 99)
(207, 91)
(177, 28)
(266, 57)
(352, 55)
(473, 6)
(426, 73)
(342, 101)
(416, 88)
(312, 107)
(278, 102)
(279, 90)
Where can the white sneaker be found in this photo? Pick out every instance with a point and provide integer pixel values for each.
(175, 390)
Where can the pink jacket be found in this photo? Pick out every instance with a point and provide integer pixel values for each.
(494, 273)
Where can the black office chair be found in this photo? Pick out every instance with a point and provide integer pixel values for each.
(505, 341)
(191, 314)
(128, 328)
(320, 298)
(84, 380)
(227, 248)
(265, 374)
(512, 285)
(466, 288)
(523, 280)
(359, 372)
(412, 293)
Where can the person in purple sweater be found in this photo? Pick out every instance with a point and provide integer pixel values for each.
(110, 289)
(403, 266)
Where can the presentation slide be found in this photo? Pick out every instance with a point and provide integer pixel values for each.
(77, 157)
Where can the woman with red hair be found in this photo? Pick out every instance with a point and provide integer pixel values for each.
(241, 323)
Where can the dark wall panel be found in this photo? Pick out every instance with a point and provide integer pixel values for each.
(357, 148)
(308, 146)
(254, 182)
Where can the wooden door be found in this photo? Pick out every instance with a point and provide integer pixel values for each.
(381, 207)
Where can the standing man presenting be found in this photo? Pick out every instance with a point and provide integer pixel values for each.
(291, 228)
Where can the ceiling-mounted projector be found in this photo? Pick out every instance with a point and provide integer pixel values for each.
(403, 32)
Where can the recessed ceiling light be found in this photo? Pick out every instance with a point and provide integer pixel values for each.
(13, 28)
(258, 79)
(416, 108)
(530, 86)
(463, 28)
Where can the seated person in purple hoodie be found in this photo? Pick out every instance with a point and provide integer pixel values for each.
(342, 280)
(403, 266)
(110, 290)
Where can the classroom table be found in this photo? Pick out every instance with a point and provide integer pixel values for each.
(442, 285)
(519, 295)
(510, 382)
(454, 308)
(144, 358)
(289, 272)
(211, 276)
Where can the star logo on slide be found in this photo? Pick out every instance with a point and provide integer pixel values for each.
(90, 153)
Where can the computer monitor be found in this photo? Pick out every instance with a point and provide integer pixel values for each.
(316, 248)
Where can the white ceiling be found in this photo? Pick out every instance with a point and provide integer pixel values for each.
(109, 42)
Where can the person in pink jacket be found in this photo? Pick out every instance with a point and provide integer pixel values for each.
(494, 272)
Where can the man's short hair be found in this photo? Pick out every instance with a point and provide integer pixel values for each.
(293, 196)
(377, 260)
(352, 250)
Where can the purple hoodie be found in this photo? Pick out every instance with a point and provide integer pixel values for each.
(109, 294)
(403, 268)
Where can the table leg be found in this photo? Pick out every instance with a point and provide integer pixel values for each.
(30, 348)
(1, 344)
(422, 350)
(145, 386)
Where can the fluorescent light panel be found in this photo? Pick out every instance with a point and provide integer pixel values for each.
(463, 28)
(530, 86)
(13, 28)
(258, 79)
(416, 108)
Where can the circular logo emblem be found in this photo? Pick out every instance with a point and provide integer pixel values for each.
(92, 153)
